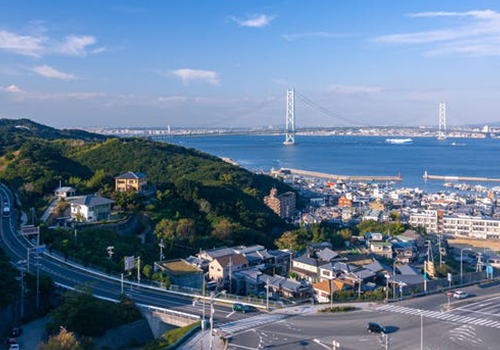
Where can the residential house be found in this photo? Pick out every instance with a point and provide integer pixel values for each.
(220, 268)
(63, 192)
(404, 252)
(324, 289)
(131, 182)
(383, 249)
(282, 287)
(90, 208)
(181, 273)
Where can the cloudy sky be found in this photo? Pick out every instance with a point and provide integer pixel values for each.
(229, 63)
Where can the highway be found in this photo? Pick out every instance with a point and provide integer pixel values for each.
(16, 248)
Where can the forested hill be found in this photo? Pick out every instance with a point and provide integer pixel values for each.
(13, 132)
(223, 202)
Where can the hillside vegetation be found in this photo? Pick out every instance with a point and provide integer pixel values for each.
(201, 201)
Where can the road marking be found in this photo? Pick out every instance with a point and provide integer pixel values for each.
(317, 341)
(230, 314)
(242, 346)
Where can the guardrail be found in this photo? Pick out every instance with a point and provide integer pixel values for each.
(144, 306)
(117, 279)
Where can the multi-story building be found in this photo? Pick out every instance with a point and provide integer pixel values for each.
(467, 226)
(284, 204)
(130, 181)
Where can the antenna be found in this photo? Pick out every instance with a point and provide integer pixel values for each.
(290, 118)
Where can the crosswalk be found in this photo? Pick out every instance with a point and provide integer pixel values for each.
(234, 327)
(465, 333)
(444, 316)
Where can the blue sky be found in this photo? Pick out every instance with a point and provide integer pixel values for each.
(228, 63)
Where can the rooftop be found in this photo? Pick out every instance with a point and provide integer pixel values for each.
(131, 175)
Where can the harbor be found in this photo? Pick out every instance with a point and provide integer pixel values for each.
(338, 177)
(459, 178)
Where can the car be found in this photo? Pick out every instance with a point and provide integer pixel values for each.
(460, 295)
(14, 347)
(16, 332)
(241, 308)
(376, 328)
(11, 341)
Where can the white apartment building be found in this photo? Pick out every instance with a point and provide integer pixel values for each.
(465, 226)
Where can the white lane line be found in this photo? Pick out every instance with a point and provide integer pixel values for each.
(230, 314)
(321, 344)
(242, 346)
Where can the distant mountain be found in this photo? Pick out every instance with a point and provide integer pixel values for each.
(24, 128)
(209, 202)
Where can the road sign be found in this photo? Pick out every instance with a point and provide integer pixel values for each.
(489, 271)
(448, 294)
(28, 230)
(450, 277)
(40, 249)
(129, 262)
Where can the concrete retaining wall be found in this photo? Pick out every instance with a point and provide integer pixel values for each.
(132, 334)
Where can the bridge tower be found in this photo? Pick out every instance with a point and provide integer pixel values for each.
(442, 121)
(290, 118)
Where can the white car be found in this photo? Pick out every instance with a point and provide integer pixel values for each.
(14, 347)
(460, 295)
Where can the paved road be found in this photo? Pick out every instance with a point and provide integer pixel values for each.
(66, 275)
(473, 324)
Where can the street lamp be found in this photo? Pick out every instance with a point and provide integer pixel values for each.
(462, 262)
(212, 302)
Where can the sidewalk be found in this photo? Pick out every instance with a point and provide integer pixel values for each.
(201, 341)
(32, 334)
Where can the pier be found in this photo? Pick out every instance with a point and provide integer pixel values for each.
(339, 177)
(459, 178)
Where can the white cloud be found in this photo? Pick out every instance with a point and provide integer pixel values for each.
(478, 34)
(352, 89)
(254, 21)
(17, 94)
(74, 45)
(21, 44)
(187, 75)
(13, 89)
(39, 44)
(324, 35)
(49, 72)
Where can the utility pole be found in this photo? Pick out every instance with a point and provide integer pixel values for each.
(230, 275)
(421, 331)
(37, 269)
(393, 279)
(267, 294)
(121, 283)
(74, 237)
(138, 270)
(387, 288)
(331, 293)
(161, 245)
(203, 297)
(440, 251)
(212, 321)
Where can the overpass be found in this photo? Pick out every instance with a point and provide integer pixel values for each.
(69, 275)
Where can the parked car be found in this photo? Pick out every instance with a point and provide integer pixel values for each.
(241, 308)
(14, 347)
(460, 295)
(376, 328)
(11, 341)
(16, 332)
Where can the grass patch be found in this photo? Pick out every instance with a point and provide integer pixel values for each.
(338, 309)
(169, 338)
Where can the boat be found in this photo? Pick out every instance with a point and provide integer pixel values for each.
(399, 141)
(457, 144)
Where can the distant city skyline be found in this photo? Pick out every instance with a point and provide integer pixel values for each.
(229, 63)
